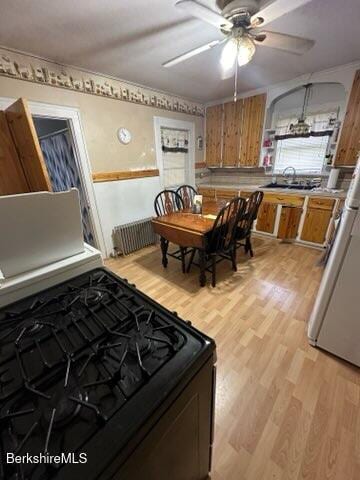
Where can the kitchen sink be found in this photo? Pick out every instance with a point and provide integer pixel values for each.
(293, 186)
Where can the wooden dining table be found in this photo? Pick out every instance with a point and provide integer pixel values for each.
(188, 230)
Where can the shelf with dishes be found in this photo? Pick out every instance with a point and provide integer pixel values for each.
(268, 148)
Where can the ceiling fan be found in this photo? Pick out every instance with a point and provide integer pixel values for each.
(240, 22)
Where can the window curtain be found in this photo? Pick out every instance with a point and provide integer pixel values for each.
(322, 124)
(64, 174)
(173, 140)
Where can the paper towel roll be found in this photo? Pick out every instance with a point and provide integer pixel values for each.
(333, 178)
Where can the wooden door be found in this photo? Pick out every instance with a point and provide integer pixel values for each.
(316, 225)
(252, 128)
(289, 222)
(266, 217)
(349, 143)
(24, 136)
(214, 129)
(232, 132)
(12, 177)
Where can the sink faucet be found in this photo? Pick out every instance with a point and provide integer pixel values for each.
(285, 175)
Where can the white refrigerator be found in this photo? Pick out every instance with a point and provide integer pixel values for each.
(41, 243)
(335, 320)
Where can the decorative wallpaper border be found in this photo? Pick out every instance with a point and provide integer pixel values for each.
(36, 70)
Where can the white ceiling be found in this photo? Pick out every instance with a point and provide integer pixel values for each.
(130, 39)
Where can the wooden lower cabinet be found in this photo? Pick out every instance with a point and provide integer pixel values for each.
(226, 194)
(207, 193)
(316, 225)
(266, 217)
(289, 223)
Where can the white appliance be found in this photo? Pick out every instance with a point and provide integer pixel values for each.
(41, 243)
(335, 320)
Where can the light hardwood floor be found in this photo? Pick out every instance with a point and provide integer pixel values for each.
(284, 410)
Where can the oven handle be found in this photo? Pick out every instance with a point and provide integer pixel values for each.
(212, 426)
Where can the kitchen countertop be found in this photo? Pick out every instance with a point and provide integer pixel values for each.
(249, 188)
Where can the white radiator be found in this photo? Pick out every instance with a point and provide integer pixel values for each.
(133, 236)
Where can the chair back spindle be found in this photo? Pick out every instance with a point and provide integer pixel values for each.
(246, 221)
(222, 236)
(166, 202)
(187, 193)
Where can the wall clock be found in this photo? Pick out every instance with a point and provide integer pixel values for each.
(124, 136)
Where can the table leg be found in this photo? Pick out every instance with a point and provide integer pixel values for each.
(202, 260)
(164, 248)
(183, 252)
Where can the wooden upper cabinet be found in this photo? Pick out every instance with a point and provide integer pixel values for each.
(27, 145)
(252, 128)
(12, 177)
(349, 143)
(214, 129)
(232, 132)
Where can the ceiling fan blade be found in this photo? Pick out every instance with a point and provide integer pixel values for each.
(192, 53)
(281, 41)
(198, 10)
(276, 9)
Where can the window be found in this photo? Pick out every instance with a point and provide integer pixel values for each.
(175, 143)
(174, 169)
(305, 154)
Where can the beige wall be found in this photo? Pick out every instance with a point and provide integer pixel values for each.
(101, 118)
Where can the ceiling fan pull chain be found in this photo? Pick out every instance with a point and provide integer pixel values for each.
(236, 72)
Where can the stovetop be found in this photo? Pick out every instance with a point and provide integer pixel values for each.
(75, 357)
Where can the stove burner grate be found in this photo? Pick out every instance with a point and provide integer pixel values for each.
(73, 356)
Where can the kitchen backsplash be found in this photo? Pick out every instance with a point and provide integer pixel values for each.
(257, 176)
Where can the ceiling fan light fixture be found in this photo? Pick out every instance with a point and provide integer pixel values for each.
(246, 50)
(228, 55)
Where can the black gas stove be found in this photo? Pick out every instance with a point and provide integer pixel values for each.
(83, 366)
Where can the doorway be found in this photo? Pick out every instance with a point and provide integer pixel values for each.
(57, 145)
(73, 117)
(175, 152)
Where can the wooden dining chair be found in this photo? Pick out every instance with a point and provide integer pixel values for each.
(245, 224)
(187, 193)
(165, 203)
(221, 244)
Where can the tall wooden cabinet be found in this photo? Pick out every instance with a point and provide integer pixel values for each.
(233, 112)
(349, 143)
(234, 132)
(252, 127)
(12, 176)
(214, 132)
(22, 166)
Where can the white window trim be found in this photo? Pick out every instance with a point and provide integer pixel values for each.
(164, 122)
(307, 173)
(73, 115)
